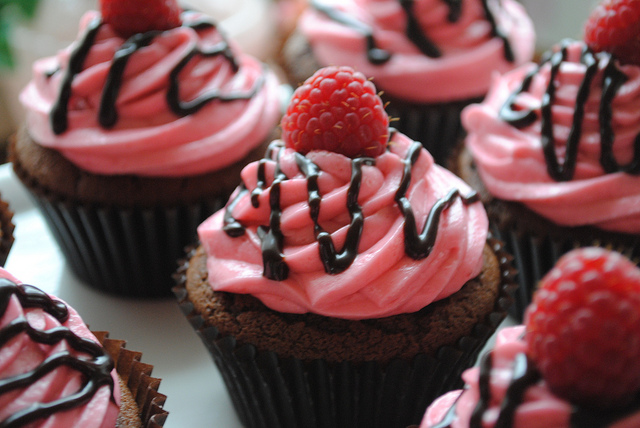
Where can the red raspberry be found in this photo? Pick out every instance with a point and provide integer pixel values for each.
(337, 109)
(614, 27)
(583, 328)
(128, 17)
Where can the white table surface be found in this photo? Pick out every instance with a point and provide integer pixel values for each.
(196, 396)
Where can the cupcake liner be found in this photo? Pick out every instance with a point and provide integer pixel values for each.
(127, 252)
(536, 252)
(268, 390)
(436, 126)
(137, 376)
(6, 231)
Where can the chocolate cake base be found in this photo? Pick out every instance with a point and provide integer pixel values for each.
(307, 370)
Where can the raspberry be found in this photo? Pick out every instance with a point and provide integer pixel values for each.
(337, 109)
(128, 17)
(583, 328)
(614, 27)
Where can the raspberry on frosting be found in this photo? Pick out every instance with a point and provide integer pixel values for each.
(337, 109)
(573, 363)
(583, 328)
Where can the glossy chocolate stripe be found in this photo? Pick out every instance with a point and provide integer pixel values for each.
(418, 245)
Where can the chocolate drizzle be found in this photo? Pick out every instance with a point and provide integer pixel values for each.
(526, 375)
(413, 30)
(418, 245)
(375, 55)
(96, 371)
(60, 110)
(333, 261)
(108, 115)
(613, 79)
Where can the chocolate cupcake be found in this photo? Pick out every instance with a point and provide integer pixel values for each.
(552, 152)
(131, 139)
(429, 58)
(344, 290)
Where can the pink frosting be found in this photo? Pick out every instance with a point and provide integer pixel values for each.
(511, 161)
(382, 280)
(21, 354)
(149, 139)
(540, 408)
(470, 53)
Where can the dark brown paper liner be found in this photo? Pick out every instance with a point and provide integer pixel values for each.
(269, 391)
(137, 376)
(6, 231)
(536, 252)
(126, 252)
(437, 126)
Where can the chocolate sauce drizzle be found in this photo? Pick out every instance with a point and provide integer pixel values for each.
(526, 375)
(96, 370)
(612, 81)
(418, 245)
(108, 115)
(413, 30)
(375, 55)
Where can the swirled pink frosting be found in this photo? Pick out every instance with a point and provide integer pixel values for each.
(382, 280)
(539, 409)
(149, 139)
(470, 52)
(511, 160)
(21, 355)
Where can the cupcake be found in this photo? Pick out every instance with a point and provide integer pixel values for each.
(57, 373)
(430, 58)
(349, 279)
(553, 152)
(134, 134)
(575, 362)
